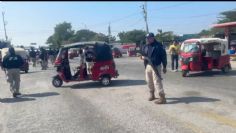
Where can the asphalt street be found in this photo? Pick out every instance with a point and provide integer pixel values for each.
(202, 103)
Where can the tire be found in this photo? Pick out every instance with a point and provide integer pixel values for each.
(106, 80)
(57, 82)
(184, 73)
(225, 69)
(26, 71)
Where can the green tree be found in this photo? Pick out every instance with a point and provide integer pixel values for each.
(164, 36)
(83, 35)
(62, 33)
(227, 16)
(4, 44)
(134, 36)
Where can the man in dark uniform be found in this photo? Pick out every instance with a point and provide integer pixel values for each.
(32, 54)
(12, 63)
(44, 58)
(156, 53)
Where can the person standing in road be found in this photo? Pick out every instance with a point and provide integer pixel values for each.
(51, 55)
(44, 58)
(12, 64)
(32, 54)
(81, 63)
(156, 53)
(174, 52)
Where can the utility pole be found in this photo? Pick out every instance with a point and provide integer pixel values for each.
(4, 24)
(109, 33)
(145, 16)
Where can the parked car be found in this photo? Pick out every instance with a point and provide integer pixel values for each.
(23, 53)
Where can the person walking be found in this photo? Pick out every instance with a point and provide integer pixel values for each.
(44, 58)
(174, 52)
(33, 55)
(12, 63)
(156, 55)
(51, 55)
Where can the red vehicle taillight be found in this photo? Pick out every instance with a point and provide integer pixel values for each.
(57, 61)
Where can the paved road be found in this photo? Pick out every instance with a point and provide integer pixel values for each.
(201, 103)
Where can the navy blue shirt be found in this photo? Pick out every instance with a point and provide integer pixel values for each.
(12, 62)
(156, 53)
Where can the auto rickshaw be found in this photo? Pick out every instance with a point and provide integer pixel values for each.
(116, 52)
(23, 53)
(103, 70)
(131, 51)
(204, 54)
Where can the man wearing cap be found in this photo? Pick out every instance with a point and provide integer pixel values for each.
(12, 64)
(156, 53)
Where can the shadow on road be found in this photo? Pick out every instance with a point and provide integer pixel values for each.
(15, 100)
(213, 74)
(31, 72)
(188, 100)
(46, 94)
(114, 83)
(24, 97)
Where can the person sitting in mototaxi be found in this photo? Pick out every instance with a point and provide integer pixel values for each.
(204, 54)
(81, 63)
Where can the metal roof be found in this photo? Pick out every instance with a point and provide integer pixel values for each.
(81, 44)
(223, 25)
(206, 40)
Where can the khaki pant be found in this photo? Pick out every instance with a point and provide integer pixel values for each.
(44, 64)
(89, 67)
(13, 77)
(52, 59)
(154, 83)
(33, 61)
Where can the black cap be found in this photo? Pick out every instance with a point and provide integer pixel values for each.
(150, 35)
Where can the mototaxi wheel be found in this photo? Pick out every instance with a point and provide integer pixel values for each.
(184, 73)
(57, 82)
(225, 69)
(106, 80)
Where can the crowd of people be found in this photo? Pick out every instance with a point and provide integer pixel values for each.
(42, 56)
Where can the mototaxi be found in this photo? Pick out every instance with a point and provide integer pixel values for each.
(103, 70)
(204, 54)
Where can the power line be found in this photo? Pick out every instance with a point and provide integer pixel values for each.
(134, 14)
(116, 20)
(189, 17)
(176, 5)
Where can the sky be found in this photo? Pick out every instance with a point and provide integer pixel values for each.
(34, 22)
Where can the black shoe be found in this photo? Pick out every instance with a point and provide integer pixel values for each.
(14, 95)
(18, 94)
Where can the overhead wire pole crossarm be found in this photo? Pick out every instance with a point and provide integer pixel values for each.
(116, 20)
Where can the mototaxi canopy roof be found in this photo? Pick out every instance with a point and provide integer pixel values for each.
(224, 25)
(19, 51)
(102, 50)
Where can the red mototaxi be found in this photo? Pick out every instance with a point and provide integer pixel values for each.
(104, 68)
(204, 54)
(131, 51)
